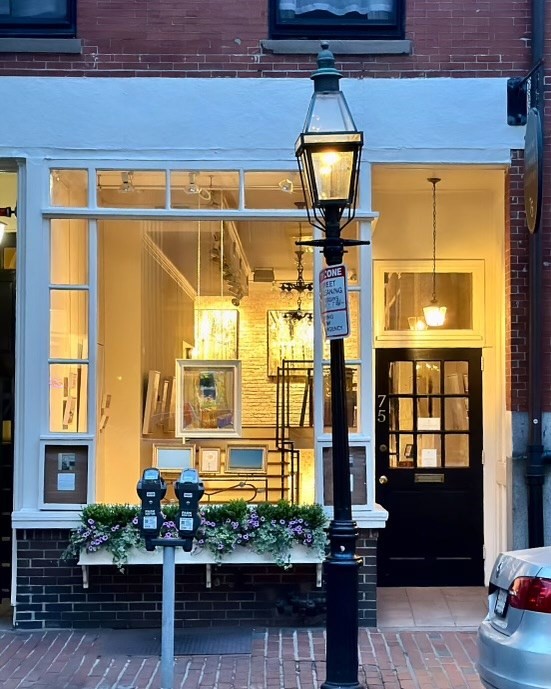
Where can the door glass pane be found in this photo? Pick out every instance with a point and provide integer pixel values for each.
(429, 451)
(428, 377)
(68, 324)
(457, 416)
(68, 398)
(429, 414)
(352, 375)
(401, 377)
(457, 450)
(401, 451)
(69, 252)
(456, 379)
(401, 414)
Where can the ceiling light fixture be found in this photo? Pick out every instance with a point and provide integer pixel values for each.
(127, 182)
(193, 188)
(435, 315)
(287, 186)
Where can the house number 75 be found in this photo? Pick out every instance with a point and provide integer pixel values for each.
(381, 409)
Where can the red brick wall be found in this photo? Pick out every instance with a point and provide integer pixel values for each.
(211, 38)
(516, 285)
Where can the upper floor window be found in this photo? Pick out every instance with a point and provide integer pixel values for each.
(315, 19)
(37, 18)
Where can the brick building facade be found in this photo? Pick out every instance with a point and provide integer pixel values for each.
(227, 91)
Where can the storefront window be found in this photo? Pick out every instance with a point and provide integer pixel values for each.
(204, 189)
(69, 188)
(69, 327)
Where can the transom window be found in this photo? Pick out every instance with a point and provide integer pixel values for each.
(337, 18)
(37, 18)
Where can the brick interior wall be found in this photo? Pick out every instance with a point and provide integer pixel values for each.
(216, 38)
(50, 593)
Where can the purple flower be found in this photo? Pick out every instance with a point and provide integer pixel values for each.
(135, 521)
(91, 522)
(246, 537)
(282, 522)
(220, 546)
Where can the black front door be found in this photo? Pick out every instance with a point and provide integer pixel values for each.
(7, 373)
(429, 466)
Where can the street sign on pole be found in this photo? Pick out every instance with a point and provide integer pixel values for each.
(334, 302)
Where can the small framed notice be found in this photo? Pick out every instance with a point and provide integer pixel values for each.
(209, 460)
(429, 458)
(65, 474)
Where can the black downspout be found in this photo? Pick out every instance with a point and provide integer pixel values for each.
(535, 456)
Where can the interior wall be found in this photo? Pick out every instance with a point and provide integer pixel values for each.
(120, 371)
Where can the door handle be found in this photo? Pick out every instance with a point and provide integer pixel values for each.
(383, 448)
(383, 480)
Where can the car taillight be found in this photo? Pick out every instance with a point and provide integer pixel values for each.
(531, 593)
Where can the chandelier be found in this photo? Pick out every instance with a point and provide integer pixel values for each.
(435, 315)
(300, 286)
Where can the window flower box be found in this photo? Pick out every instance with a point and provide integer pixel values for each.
(236, 533)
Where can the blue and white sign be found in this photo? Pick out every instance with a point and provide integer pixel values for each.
(334, 302)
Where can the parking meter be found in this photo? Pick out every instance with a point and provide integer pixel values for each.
(189, 490)
(151, 490)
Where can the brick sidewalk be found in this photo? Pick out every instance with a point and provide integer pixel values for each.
(280, 659)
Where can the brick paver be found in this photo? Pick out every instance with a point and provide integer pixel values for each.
(280, 659)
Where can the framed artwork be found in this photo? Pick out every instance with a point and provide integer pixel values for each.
(174, 458)
(209, 460)
(151, 402)
(208, 398)
(246, 458)
(288, 339)
(216, 334)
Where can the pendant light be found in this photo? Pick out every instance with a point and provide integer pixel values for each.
(435, 315)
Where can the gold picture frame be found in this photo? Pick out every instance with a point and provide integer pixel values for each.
(173, 458)
(208, 399)
(246, 459)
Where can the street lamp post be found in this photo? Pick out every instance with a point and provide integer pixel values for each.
(328, 152)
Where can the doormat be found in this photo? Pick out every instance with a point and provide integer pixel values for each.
(147, 642)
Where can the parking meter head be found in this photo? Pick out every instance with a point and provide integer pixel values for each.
(189, 490)
(151, 490)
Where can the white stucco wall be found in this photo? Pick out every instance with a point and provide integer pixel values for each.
(407, 120)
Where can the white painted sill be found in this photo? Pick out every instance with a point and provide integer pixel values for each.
(241, 556)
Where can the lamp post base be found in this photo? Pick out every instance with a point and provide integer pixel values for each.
(341, 578)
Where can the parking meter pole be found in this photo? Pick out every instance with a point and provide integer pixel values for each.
(167, 638)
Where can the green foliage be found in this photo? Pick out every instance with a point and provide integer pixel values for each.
(264, 528)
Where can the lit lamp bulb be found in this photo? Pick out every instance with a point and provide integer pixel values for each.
(435, 315)
(3, 228)
(417, 323)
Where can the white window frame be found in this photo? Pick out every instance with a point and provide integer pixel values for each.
(431, 337)
(32, 432)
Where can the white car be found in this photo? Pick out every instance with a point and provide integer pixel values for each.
(514, 640)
